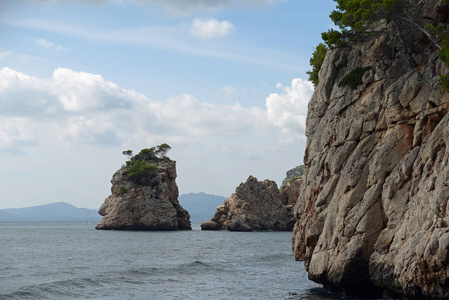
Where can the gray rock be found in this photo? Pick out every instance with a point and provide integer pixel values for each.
(372, 211)
(294, 173)
(153, 206)
(209, 225)
(255, 205)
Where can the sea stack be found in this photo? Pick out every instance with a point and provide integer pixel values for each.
(373, 214)
(144, 195)
(255, 205)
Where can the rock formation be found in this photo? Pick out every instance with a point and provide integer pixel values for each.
(373, 214)
(152, 204)
(291, 186)
(294, 173)
(255, 205)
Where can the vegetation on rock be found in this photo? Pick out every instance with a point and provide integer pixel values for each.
(122, 190)
(316, 61)
(354, 78)
(141, 167)
(358, 21)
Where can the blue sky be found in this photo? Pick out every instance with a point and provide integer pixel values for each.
(223, 82)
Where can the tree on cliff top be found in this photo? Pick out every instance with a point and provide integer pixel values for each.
(316, 61)
(139, 167)
(156, 154)
(357, 20)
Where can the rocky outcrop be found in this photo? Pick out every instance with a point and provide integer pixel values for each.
(150, 205)
(372, 215)
(292, 174)
(255, 205)
(289, 192)
(291, 186)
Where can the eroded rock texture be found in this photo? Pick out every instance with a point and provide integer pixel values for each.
(152, 206)
(255, 205)
(372, 215)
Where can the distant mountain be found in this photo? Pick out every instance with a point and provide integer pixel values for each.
(201, 206)
(54, 212)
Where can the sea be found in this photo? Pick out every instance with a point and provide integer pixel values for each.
(75, 261)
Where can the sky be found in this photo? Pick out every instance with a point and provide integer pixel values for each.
(223, 82)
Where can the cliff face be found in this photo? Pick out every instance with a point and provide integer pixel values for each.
(255, 205)
(152, 206)
(372, 214)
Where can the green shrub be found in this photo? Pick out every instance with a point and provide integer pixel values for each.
(294, 178)
(316, 62)
(140, 170)
(141, 173)
(122, 190)
(354, 78)
(444, 79)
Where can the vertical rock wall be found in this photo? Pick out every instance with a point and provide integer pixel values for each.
(372, 214)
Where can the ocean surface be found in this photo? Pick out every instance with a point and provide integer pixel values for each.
(75, 261)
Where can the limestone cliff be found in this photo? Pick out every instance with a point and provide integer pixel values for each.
(150, 205)
(372, 215)
(255, 205)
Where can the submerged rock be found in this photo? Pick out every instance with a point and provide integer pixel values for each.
(372, 215)
(152, 204)
(255, 205)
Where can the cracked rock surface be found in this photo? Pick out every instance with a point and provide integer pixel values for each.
(372, 214)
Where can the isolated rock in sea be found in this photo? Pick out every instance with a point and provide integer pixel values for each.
(372, 215)
(255, 205)
(148, 202)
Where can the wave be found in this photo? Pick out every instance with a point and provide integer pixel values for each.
(115, 282)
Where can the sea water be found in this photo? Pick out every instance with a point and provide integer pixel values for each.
(75, 261)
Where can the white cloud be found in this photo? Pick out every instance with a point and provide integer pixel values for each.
(80, 107)
(49, 45)
(210, 28)
(288, 110)
(72, 121)
(16, 133)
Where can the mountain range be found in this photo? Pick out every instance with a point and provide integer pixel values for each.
(53, 212)
(201, 207)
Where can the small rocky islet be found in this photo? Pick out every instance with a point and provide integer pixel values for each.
(144, 195)
(254, 206)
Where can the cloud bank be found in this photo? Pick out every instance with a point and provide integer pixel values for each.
(84, 108)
